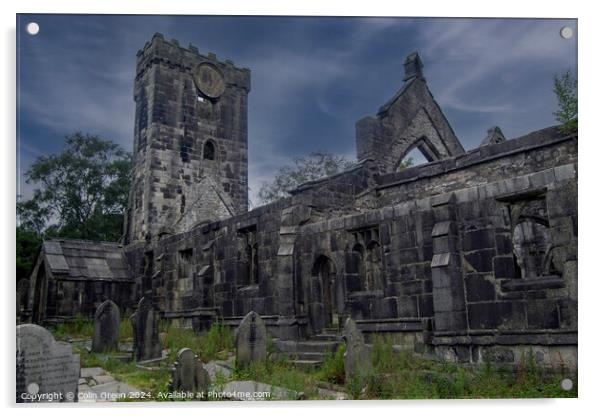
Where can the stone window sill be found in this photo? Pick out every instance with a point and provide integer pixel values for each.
(367, 293)
(248, 288)
(544, 282)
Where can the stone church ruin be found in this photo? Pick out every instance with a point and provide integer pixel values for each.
(471, 256)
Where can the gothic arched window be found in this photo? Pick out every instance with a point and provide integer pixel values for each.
(374, 280)
(531, 239)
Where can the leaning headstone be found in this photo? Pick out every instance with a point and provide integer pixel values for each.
(106, 327)
(146, 332)
(188, 374)
(357, 358)
(251, 340)
(47, 370)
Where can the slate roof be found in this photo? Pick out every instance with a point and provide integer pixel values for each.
(89, 260)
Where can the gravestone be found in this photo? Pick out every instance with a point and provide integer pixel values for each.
(251, 340)
(357, 358)
(47, 370)
(106, 327)
(188, 373)
(145, 324)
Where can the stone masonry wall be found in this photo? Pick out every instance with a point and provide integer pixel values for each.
(449, 263)
(181, 138)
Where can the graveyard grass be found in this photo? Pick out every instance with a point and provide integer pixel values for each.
(395, 375)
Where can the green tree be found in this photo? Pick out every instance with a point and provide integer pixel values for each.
(405, 163)
(82, 191)
(303, 169)
(28, 244)
(565, 88)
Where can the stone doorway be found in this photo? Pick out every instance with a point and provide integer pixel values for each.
(325, 272)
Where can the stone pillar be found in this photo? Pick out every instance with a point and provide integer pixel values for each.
(288, 325)
(448, 286)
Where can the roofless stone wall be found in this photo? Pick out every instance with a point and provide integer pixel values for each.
(468, 266)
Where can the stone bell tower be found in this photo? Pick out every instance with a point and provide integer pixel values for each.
(190, 141)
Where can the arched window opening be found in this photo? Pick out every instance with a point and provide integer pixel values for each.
(325, 272)
(209, 150)
(421, 152)
(532, 241)
(254, 273)
(374, 278)
(357, 265)
(412, 158)
(248, 257)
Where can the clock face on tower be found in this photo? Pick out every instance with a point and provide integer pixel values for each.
(209, 80)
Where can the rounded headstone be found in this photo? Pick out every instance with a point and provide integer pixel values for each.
(188, 373)
(251, 340)
(146, 332)
(357, 357)
(106, 327)
(47, 370)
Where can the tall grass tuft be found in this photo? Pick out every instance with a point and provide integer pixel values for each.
(215, 343)
(126, 330)
(333, 368)
(78, 327)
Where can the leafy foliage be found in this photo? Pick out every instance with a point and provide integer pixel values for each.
(565, 88)
(82, 191)
(405, 163)
(333, 368)
(403, 375)
(303, 169)
(212, 344)
(79, 327)
(28, 244)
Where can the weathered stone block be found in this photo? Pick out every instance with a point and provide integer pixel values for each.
(565, 172)
(504, 267)
(481, 261)
(407, 306)
(493, 315)
(449, 299)
(478, 288)
(503, 244)
(450, 321)
(425, 305)
(543, 314)
(478, 239)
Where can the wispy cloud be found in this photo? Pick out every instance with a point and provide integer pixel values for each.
(481, 65)
(312, 78)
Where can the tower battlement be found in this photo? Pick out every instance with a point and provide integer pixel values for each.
(172, 53)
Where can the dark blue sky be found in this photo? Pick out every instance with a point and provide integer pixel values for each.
(312, 77)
